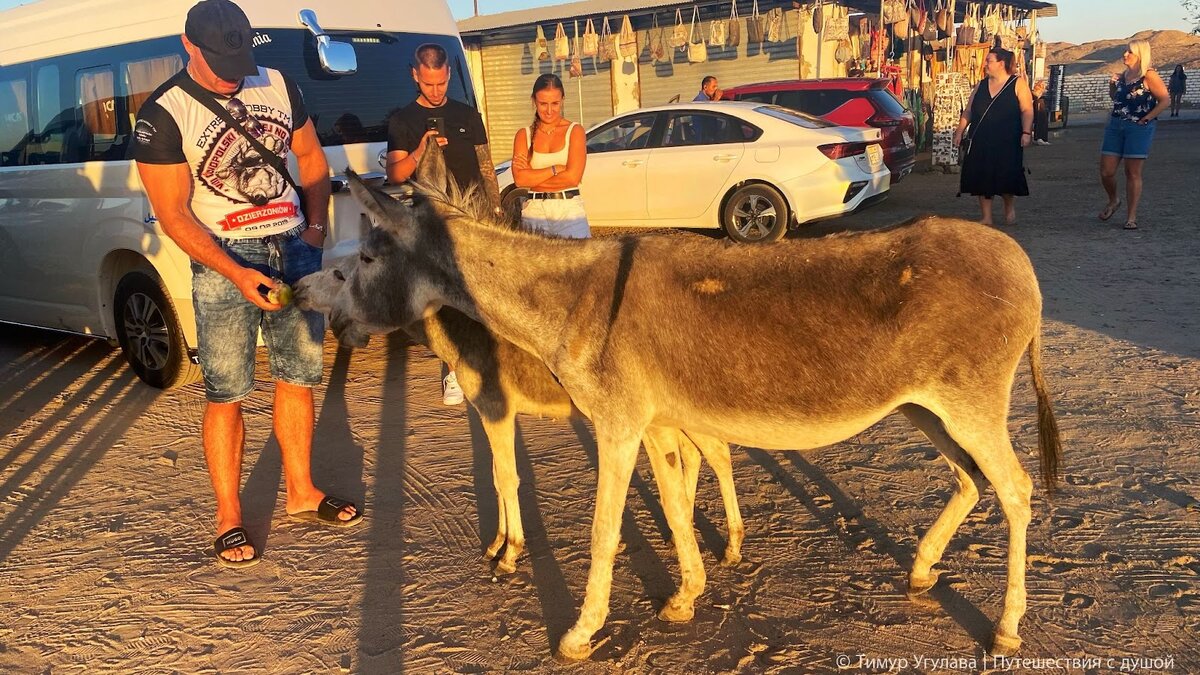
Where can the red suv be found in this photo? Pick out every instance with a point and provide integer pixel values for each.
(847, 101)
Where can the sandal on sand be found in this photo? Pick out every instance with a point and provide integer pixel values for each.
(1109, 210)
(327, 513)
(1131, 225)
(233, 539)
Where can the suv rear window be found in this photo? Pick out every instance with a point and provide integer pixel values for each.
(887, 103)
(817, 102)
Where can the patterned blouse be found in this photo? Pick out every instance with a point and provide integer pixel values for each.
(1133, 101)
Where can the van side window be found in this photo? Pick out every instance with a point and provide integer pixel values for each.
(15, 125)
(95, 128)
(50, 118)
(141, 78)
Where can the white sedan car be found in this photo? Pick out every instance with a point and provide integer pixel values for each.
(750, 168)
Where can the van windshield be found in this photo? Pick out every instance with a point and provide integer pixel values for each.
(354, 108)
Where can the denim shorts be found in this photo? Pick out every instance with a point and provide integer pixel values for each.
(1128, 139)
(227, 324)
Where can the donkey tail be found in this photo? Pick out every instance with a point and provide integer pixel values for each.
(1048, 441)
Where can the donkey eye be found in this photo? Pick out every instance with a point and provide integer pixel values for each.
(365, 258)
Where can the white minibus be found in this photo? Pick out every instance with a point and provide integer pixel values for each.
(80, 248)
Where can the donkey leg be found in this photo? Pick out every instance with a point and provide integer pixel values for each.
(663, 448)
(500, 433)
(716, 453)
(987, 443)
(969, 479)
(617, 457)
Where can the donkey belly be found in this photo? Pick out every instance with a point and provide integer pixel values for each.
(779, 430)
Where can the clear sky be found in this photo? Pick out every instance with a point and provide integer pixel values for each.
(1078, 20)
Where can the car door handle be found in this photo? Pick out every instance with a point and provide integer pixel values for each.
(724, 158)
(633, 162)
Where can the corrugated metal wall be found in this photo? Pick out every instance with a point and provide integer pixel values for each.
(508, 74)
(747, 63)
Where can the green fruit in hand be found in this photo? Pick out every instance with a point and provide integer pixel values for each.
(280, 295)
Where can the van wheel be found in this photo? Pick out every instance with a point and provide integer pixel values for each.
(755, 213)
(149, 333)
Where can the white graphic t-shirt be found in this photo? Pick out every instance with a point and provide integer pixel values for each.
(235, 192)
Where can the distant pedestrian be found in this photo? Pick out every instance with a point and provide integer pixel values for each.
(709, 91)
(1041, 114)
(1139, 97)
(1000, 116)
(1177, 87)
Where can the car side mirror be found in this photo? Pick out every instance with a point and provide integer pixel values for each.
(337, 58)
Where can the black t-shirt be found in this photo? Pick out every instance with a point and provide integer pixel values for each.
(464, 131)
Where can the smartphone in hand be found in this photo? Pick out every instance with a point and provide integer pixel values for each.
(437, 124)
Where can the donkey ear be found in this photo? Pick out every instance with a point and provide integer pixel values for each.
(381, 209)
(432, 168)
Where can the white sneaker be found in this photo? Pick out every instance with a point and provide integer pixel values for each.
(1041, 142)
(451, 393)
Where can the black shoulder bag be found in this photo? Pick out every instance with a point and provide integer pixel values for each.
(278, 163)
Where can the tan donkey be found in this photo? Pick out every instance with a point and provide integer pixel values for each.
(931, 317)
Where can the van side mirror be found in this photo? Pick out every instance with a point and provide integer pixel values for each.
(337, 58)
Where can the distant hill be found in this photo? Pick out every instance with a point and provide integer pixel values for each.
(1167, 48)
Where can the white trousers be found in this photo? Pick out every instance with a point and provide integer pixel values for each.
(564, 218)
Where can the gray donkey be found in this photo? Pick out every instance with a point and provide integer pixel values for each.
(501, 380)
(931, 317)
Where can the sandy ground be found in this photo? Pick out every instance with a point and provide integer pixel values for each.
(107, 509)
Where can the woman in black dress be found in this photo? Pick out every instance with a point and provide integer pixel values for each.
(1000, 115)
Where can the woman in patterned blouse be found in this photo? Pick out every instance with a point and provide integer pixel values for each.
(1139, 96)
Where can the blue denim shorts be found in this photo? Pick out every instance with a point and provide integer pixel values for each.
(1128, 139)
(227, 324)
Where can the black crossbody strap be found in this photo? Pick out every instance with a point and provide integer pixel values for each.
(205, 97)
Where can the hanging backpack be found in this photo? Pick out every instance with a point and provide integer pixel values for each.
(775, 25)
(697, 50)
(733, 29)
(755, 25)
(608, 43)
(679, 34)
(541, 51)
(562, 46)
(591, 41)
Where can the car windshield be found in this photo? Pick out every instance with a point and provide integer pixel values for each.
(794, 117)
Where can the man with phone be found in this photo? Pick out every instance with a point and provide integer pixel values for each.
(455, 126)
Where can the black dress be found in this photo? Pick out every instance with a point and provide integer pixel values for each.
(995, 164)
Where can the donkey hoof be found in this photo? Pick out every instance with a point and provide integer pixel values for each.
(731, 559)
(673, 612)
(920, 585)
(1005, 645)
(572, 650)
(505, 567)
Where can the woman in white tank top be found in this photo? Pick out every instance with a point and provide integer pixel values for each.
(548, 159)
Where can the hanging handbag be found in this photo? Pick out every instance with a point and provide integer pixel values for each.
(541, 50)
(697, 50)
(608, 43)
(654, 42)
(818, 18)
(576, 69)
(562, 45)
(679, 34)
(716, 33)
(627, 44)
(891, 11)
(733, 29)
(837, 27)
(775, 25)
(755, 25)
(591, 41)
(968, 31)
(842, 53)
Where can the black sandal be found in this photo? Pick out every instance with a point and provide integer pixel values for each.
(233, 539)
(327, 513)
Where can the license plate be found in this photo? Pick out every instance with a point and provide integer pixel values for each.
(874, 155)
(907, 139)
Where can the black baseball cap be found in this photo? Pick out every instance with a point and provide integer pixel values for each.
(223, 33)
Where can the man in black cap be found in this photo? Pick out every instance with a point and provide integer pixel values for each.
(220, 197)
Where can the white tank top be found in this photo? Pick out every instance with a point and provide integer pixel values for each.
(545, 160)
